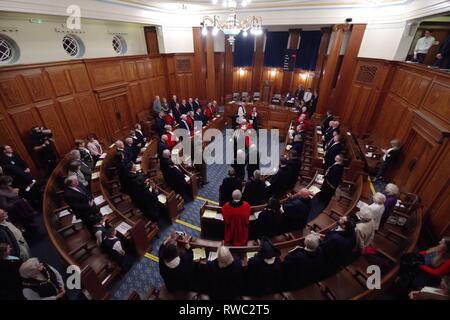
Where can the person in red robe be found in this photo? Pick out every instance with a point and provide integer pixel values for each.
(171, 138)
(170, 119)
(236, 216)
(303, 121)
(190, 120)
(209, 112)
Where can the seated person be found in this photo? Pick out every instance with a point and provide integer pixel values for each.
(199, 116)
(171, 138)
(429, 293)
(229, 184)
(160, 122)
(338, 245)
(74, 155)
(176, 179)
(303, 265)
(298, 143)
(140, 138)
(224, 276)
(269, 221)
(279, 182)
(20, 211)
(437, 259)
(377, 208)
(184, 124)
(80, 201)
(255, 190)
(365, 229)
(115, 249)
(263, 273)
(162, 145)
(170, 119)
(177, 267)
(296, 210)
(41, 281)
(391, 192)
(236, 215)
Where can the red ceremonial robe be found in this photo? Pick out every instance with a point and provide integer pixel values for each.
(236, 217)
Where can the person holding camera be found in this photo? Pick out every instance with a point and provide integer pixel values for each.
(42, 140)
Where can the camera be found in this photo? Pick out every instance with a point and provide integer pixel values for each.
(41, 134)
(348, 20)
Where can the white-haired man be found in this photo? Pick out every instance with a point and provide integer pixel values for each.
(236, 216)
(389, 159)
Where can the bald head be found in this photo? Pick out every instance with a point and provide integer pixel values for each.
(236, 195)
(119, 144)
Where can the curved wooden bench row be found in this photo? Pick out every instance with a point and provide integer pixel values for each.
(121, 203)
(74, 243)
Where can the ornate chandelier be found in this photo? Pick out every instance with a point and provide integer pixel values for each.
(231, 26)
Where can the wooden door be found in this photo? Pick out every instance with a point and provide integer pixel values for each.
(417, 156)
(123, 116)
(112, 118)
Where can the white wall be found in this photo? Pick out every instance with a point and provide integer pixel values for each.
(381, 41)
(176, 39)
(41, 43)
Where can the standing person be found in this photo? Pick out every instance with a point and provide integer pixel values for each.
(422, 46)
(236, 216)
(332, 179)
(255, 190)
(229, 184)
(116, 250)
(307, 96)
(156, 106)
(94, 147)
(254, 118)
(391, 192)
(224, 276)
(443, 55)
(43, 145)
(41, 281)
(85, 154)
(390, 157)
(13, 236)
(365, 229)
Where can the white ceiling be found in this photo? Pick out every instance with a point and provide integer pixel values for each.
(200, 6)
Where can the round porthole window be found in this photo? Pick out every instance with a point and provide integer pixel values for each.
(119, 45)
(73, 46)
(9, 51)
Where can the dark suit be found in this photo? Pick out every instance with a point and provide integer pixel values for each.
(184, 109)
(197, 104)
(263, 278)
(180, 278)
(391, 158)
(177, 114)
(331, 153)
(252, 167)
(254, 192)
(298, 147)
(161, 147)
(299, 93)
(332, 179)
(175, 180)
(326, 123)
(15, 168)
(130, 153)
(229, 184)
(200, 117)
(302, 267)
(224, 283)
(279, 183)
(145, 200)
(11, 288)
(184, 125)
(159, 124)
(338, 249)
(294, 165)
(239, 169)
(78, 201)
(296, 213)
(328, 135)
(269, 223)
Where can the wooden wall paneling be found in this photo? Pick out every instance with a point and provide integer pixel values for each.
(330, 69)
(37, 84)
(210, 68)
(288, 76)
(24, 119)
(79, 78)
(108, 72)
(199, 68)
(12, 90)
(130, 69)
(321, 55)
(228, 70)
(94, 120)
(348, 66)
(60, 80)
(437, 100)
(219, 62)
(258, 62)
(74, 118)
(137, 99)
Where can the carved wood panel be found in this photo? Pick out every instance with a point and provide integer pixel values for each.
(37, 85)
(12, 91)
(59, 81)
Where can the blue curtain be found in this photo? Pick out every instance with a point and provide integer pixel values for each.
(276, 44)
(308, 50)
(243, 51)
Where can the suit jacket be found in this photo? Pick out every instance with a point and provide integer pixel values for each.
(184, 108)
(159, 124)
(299, 94)
(180, 278)
(326, 123)
(254, 192)
(224, 283)
(392, 157)
(302, 267)
(269, 223)
(263, 278)
(338, 248)
(334, 174)
(331, 153)
(200, 117)
(229, 184)
(296, 214)
(184, 125)
(79, 203)
(130, 153)
(279, 183)
(14, 167)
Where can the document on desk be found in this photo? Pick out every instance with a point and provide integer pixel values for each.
(105, 210)
(123, 228)
(209, 214)
(314, 190)
(99, 163)
(251, 254)
(212, 256)
(162, 198)
(99, 200)
(64, 213)
(95, 175)
(103, 156)
(199, 253)
(320, 178)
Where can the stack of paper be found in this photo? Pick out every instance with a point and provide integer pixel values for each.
(162, 198)
(320, 178)
(95, 175)
(251, 254)
(123, 228)
(209, 214)
(99, 163)
(105, 210)
(103, 156)
(219, 216)
(99, 200)
(199, 253)
(314, 190)
(63, 213)
(212, 256)
(75, 220)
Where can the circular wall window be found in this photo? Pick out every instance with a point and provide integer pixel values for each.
(119, 45)
(9, 51)
(73, 46)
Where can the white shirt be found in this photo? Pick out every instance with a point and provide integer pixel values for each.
(423, 44)
(307, 96)
(386, 155)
